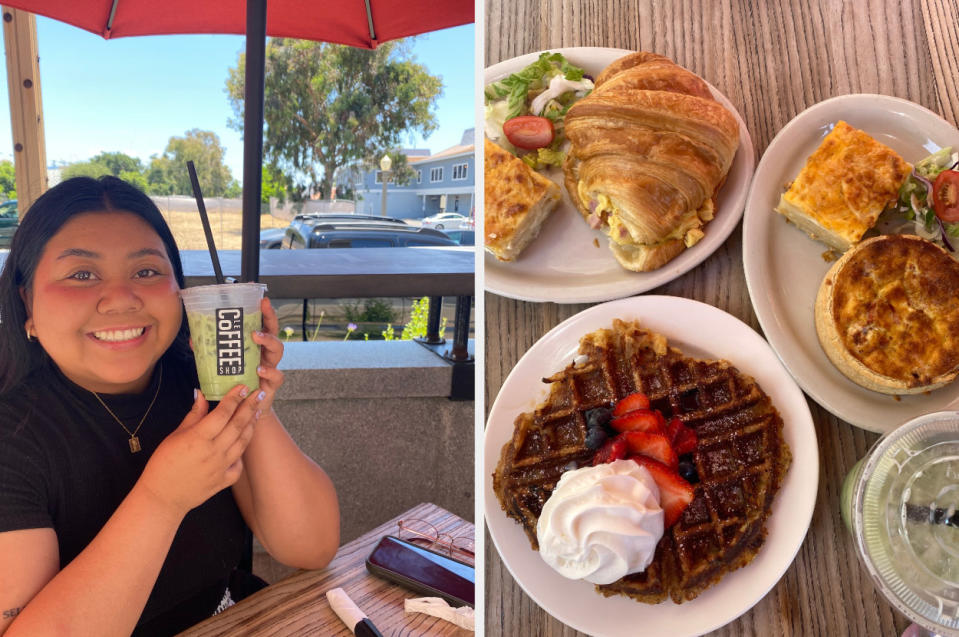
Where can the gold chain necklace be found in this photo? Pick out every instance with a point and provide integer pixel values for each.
(134, 440)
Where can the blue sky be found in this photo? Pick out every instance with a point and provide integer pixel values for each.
(132, 94)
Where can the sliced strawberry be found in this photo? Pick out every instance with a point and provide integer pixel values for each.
(613, 449)
(686, 441)
(675, 494)
(672, 428)
(640, 420)
(651, 445)
(682, 437)
(631, 403)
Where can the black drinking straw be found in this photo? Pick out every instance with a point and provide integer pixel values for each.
(206, 222)
(933, 515)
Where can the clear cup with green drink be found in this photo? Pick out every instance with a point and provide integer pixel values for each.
(222, 319)
(901, 504)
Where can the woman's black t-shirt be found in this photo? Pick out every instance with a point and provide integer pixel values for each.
(66, 464)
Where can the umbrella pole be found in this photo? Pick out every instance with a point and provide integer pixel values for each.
(253, 138)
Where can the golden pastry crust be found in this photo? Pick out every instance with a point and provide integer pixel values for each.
(843, 187)
(629, 61)
(518, 201)
(650, 148)
(659, 74)
(887, 315)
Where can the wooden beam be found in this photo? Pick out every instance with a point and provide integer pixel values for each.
(26, 105)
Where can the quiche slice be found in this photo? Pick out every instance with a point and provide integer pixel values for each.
(518, 201)
(843, 187)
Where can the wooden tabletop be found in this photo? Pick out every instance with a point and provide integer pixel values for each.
(297, 605)
(772, 60)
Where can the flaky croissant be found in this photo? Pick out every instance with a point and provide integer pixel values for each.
(650, 148)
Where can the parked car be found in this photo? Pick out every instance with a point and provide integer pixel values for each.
(448, 221)
(462, 237)
(372, 232)
(9, 221)
(348, 217)
(273, 238)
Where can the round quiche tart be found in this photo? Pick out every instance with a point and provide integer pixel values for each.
(887, 315)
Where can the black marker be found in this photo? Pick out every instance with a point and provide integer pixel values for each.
(350, 614)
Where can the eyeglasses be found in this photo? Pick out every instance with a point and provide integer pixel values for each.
(460, 547)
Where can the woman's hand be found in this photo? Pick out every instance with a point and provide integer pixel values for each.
(204, 454)
(271, 351)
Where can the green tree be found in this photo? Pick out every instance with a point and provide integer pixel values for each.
(276, 184)
(119, 163)
(8, 180)
(168, 175)
(84, 169)
(116, 164)
(159, 176)
(327, 105)
(138, 179)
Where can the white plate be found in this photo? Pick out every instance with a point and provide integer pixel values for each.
(702, 331)
(784, 267)
(563, 264)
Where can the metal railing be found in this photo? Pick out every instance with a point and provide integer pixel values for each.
(369, 272)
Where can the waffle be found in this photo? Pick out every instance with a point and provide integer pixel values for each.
(740, 458)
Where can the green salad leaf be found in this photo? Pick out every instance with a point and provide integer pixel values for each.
(535, 77)
(915, 195)
(931, 166)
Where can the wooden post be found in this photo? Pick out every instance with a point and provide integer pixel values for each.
(26, 106)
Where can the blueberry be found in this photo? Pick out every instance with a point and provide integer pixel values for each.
(595, 437)
(687, 471)
(598, 417)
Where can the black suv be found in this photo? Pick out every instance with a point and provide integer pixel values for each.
(273, 238)
(332, 230)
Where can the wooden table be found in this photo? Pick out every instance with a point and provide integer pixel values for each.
(773, 60)
(297, 605)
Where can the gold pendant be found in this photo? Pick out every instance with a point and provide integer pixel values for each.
(134, 444)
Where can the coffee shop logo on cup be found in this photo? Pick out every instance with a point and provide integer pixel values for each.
(229, 341)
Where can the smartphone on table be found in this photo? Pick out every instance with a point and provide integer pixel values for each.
(423, 570)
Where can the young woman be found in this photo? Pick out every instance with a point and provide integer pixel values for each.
(96, 537)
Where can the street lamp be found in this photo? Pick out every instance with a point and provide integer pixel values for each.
(385, 164)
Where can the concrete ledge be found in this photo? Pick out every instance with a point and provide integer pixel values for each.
(362, 369)
(377, 417)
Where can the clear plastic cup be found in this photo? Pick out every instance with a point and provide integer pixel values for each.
(222, 318)
(900, 503)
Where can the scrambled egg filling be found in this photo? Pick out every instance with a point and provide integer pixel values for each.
(605, 213)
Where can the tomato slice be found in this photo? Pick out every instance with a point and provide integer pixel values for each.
(945, 196)
(529, 132)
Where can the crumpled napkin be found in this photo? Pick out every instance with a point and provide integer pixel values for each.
(437, 607)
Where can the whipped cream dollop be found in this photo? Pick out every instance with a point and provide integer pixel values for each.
(602, 522)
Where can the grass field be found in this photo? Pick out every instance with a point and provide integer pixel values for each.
(226, 226)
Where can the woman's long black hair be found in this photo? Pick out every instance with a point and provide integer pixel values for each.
(18, 356)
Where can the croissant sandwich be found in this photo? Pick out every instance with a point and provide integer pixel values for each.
(650, 148)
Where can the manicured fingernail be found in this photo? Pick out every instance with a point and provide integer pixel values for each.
(259, 370)
(244, 391)
(257, 415)
(196, 392)
(260, 396)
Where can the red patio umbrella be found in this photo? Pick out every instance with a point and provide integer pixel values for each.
(359, 23)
